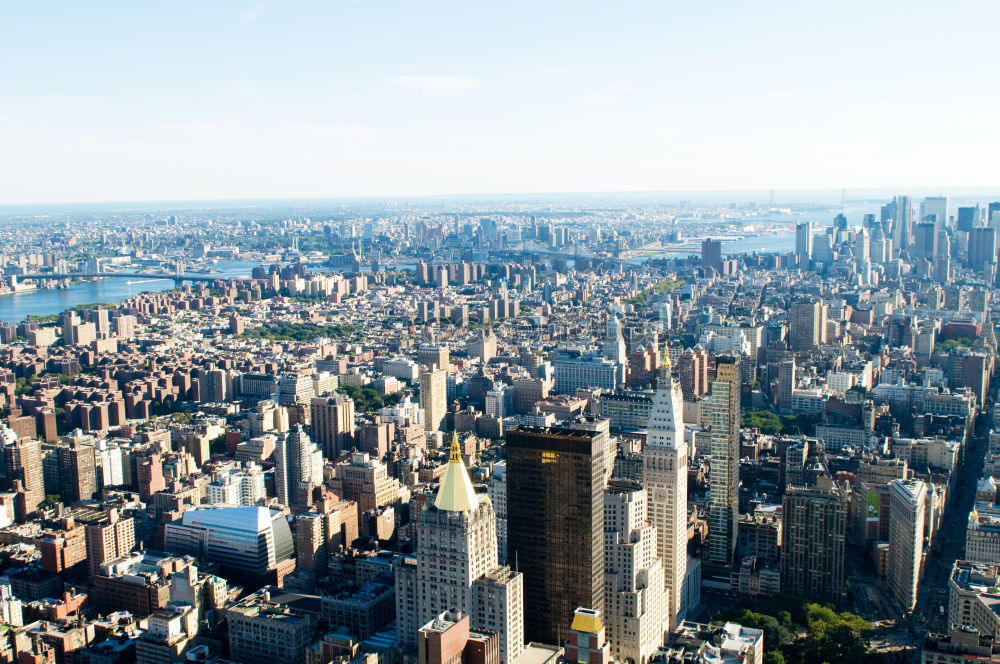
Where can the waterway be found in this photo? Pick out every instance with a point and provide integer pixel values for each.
(49, 301)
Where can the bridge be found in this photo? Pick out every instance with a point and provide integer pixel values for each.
(173, 276)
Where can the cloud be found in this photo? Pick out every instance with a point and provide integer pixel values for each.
(255, 11)
(435, 84)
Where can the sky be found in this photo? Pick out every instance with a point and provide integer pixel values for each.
(227, 99)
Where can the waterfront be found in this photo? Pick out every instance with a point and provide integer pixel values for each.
(50, 301)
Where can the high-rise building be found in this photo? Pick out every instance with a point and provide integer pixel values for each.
(665, 464)
(900, 212)
(723, 510)
(433, 397)
(804, 242)
(924, 240)
(635, 601)
(907, 504)
(692, 370)
(786, 383)
(983, 248)
(457, 567)
(614, 348)
(77, 470)
(935, 209)
(968, 218)
(332, 424)
(433, 355)
(812, 540)
(109, 537)
(555, 495)
(298, 469)
(22, 460)
(805, 325)
(711, 254)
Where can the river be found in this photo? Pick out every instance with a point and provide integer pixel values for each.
(49, 301)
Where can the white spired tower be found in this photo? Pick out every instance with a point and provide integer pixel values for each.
(665, 462)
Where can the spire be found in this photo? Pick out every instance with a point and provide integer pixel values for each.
(456, 493)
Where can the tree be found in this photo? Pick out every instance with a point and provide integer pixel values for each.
(774, 657)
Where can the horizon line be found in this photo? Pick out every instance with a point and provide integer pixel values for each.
(838, 191)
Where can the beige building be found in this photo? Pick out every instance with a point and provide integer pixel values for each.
(907, 508)
(665, 463)
(332, 422)
(635, 599)
(433, 397)
(456, 566)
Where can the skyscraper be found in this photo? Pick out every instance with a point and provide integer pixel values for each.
(983, 248)
(457, 568)
(555, 496)
(723, 509)
(298, 469)
(813, 536)
(433, 397)
(804, 242)
(634, 597)
(907, 500)
(935, 209)
(805, 325)
(614, 345)
(332, 423)
(968, 218)
(711, 254)
(665, 462)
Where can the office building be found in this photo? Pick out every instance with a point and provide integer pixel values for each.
(907, 506)
(575, 369)
(555, 495)
(812, 540)
(635, 599)
(456, 564)
(253, 540)
(332, 424)
(723, 509)
(665, 467)
(804, 242)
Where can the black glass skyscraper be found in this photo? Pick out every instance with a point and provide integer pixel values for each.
(555, 516)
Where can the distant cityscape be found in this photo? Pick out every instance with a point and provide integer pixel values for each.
(501, 432)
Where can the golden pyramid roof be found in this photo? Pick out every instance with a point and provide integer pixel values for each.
(456, 493)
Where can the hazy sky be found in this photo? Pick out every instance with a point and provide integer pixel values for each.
(140, 100)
